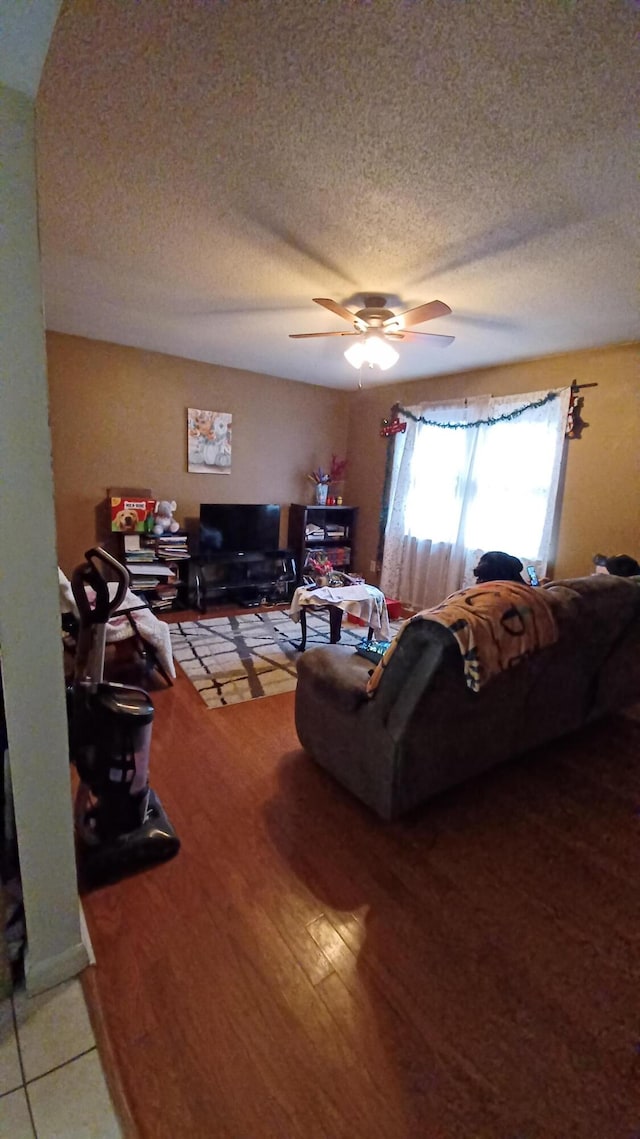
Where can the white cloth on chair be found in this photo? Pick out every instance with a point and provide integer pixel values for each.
(153, 631)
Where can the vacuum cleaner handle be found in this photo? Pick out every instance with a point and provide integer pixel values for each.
(92, 632)
(122, 579)
(88, 574)
(83, 576)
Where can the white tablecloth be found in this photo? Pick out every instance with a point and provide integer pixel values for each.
(363, 601)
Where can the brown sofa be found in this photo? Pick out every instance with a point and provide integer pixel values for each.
(424, 730)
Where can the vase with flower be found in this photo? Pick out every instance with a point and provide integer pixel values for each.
(324, 480)
(321, 480)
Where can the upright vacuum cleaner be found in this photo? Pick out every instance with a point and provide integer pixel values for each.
(120, 822)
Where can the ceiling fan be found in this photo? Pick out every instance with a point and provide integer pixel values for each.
(376, 323)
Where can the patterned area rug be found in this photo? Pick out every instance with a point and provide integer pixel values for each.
(231, 659)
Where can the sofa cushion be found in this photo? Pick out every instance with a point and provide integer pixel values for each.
(593, 613)
(612, 601)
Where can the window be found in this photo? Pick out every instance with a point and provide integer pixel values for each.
(512, 474)
(455, 492)
(438, 475)
(485, 488)
(506, 486)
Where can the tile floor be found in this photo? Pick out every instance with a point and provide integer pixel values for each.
(51, 1080)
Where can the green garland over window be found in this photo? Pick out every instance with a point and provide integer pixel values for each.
(394, 426)
(477, 422)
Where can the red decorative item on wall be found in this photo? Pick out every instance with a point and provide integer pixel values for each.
(393, 425)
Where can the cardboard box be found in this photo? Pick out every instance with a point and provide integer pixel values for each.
(129, 515)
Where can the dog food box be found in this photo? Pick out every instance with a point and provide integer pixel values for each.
(130, 515)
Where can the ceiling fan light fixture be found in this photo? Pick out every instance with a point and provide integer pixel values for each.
(372, 350)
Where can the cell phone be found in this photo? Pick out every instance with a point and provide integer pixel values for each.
(533, 577)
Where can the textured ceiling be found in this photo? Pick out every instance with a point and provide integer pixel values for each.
(25, 31)
(206, 168)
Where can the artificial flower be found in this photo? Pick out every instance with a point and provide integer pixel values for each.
(319, 564)
(337, 469)
(320, 476)
(335, 473)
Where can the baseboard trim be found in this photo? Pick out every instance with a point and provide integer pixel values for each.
(54, 970)
(86, 936)
(108, 1058)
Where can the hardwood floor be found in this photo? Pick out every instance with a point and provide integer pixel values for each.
(302, 969)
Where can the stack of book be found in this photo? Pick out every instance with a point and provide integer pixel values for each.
(151, 560)
(171, 547)
(146, 569)
(340, 555)
(137, 553)
(148, 576)
(314, 533)
(163, 596)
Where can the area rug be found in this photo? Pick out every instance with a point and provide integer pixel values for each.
(231, 659)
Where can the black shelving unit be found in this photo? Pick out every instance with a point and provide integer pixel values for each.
(160, 590)
(326, 529)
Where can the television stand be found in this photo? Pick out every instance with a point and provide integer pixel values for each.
(248, 600)
(243, 578)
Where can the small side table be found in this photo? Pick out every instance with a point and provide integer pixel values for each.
(363, 601)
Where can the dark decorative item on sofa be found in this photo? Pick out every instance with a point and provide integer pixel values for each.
(424, 730)
(621, 565)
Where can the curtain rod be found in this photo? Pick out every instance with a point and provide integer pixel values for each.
(576, 387)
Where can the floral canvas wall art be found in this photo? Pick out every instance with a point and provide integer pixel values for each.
(209, 442)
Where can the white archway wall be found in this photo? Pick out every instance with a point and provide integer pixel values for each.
(32, 668)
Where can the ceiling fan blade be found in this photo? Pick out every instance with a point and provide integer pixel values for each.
(309, 335)
(333, 306)
(418, 315)
(438, 341)
(394, 335)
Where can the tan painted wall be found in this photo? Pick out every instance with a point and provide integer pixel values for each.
(600, 506)
(118, 418)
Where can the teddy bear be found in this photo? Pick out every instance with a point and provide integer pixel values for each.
(163, 520)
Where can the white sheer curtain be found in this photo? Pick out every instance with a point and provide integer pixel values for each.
(456, 493)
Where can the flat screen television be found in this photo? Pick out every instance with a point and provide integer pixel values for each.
(227, 528)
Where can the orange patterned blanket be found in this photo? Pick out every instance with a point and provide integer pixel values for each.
(496, 625)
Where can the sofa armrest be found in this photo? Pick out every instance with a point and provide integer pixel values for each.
(422, 649)
(337, 672)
